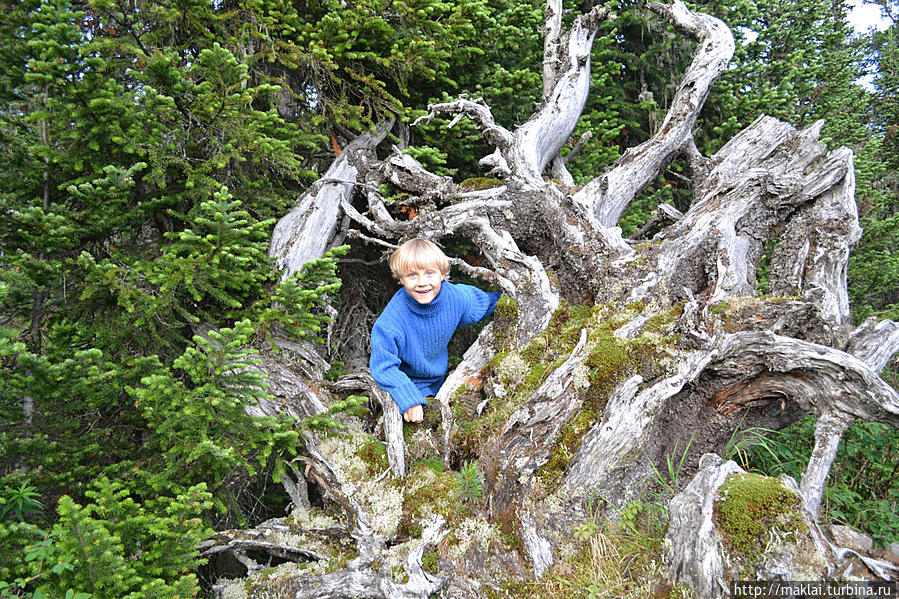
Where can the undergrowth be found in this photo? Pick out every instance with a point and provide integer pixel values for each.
(620, 559)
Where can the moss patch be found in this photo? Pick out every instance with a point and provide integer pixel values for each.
(374, 453)
(479, 183)
(750, 506)
(429, 493)
(505, 317)
(429, 561)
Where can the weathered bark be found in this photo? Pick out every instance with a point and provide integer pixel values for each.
(308, 230)
(875, 342)
(708, 356)
(607, 196)
(530, 432)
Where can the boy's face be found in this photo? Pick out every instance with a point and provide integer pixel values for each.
(423, 284)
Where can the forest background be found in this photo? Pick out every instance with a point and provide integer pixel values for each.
(148, 149)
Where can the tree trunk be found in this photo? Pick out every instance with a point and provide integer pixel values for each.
(668, 352)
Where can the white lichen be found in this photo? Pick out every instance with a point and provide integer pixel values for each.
(382, 501)
(340, 451)
(234, 589)
(313, 518)
(580, 377)
(512, 370)
(384, 505)
(472, 532)
(424, 477)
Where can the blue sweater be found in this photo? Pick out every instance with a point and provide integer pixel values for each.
(409, 340)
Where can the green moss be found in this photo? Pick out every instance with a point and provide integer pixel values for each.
(434, 462)
(479, 183)
(429, 561)
(752, 505)
(431, 493)
(494, 364)
(657, 323)
(637, 306)
(374, 453)
(719, 308)
(505, 319)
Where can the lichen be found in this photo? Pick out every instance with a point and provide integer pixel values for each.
(472, 532)
(312, 518)
(385, 506)
(513, 370)
(382, 499)
(234, 589)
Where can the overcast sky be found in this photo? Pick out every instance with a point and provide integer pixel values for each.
(862, 16)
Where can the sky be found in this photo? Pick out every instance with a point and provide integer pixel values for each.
(863, 16)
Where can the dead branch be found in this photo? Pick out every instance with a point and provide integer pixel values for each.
(608, 195)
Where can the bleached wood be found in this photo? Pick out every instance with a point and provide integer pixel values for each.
(305, 233)
(608, 196)
(829, 428)
(875, 342)
(691, 544)
(552, 33)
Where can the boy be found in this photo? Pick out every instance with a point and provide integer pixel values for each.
(409, 339)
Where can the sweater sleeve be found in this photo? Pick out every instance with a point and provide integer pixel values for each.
(385, 369)
(480, 304)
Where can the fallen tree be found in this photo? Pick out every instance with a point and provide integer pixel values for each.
(595, 370)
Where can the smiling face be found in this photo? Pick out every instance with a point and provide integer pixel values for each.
(422, 283)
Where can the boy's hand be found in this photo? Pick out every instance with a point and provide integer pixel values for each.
(414, 414)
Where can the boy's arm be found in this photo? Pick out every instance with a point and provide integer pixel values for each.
(385, 370)
(480, 304)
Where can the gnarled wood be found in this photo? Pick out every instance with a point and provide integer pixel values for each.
(766, 175)
(607, 196)
(725, 357)
(875, 342)
(305, 233)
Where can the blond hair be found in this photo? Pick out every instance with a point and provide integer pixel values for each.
(418, 254)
